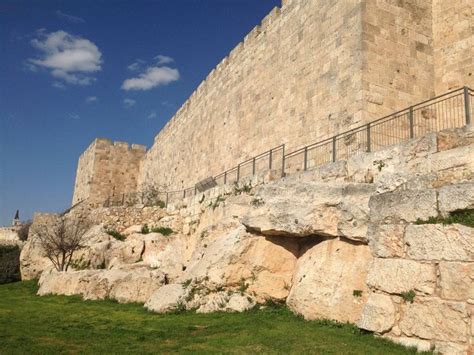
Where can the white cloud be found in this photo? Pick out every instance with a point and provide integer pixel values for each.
(91, 99)
(129, 103)
(74, 116)
(152, 77)
(69, 18)
(70, 58)
(163, 59)
(152, 115)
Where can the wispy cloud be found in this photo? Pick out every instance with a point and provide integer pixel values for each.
(74, 116)
(91, 99)
(58, 85)
(129, 103)
(71, 59)
(163, 59)
(69, 18)
(152, 77)
(136, 65)
(151, 115)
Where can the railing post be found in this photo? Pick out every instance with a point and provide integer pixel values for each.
(410, 119)
(283, 161)
(167, 199)
(123, 199)
(334, 148)
(253, 166)
(238, 172)
(184, 193)
(305, 158)
(225, 177)
(368, 138)
(270, 159)
(467, 105)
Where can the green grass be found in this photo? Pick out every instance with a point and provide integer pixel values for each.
(464, 217)
(59, 324)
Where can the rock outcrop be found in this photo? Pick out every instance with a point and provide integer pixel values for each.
(365, 241)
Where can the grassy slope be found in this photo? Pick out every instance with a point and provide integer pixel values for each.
(54, 324)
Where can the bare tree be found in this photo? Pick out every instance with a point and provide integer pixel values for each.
(24, 230)
(60, 237)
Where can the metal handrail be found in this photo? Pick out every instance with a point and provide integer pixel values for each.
(408, 112)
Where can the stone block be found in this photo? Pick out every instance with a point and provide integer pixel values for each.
(440, 242)
(456, 281)
(393, 207)
(386, 240)
(378, 314)
(397, 275)
(456, 197)
(432, 318)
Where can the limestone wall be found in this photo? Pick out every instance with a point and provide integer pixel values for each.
(453, 27)
(106, 169)
(311, 70)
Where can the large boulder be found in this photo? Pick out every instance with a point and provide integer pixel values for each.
(329, 281)
(236, 259)
(166, 299)
(300, 209)
(134, 284)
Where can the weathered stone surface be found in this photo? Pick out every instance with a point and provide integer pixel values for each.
(456, 197)
(128, 251)
(236, 257)
(392, 207)
(456, 281)
(387, 240)
(32, 261)
(124, 285)
(453, 138)
(223, 302)
(378, 314)
(432, 318)
(301, 209)
(440, 242)
(166, 299)
(399, 275)
(442, 347)
(325, 279)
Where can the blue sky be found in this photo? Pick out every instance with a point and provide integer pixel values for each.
(75, 70)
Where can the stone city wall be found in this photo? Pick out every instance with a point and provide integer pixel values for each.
(312, 69)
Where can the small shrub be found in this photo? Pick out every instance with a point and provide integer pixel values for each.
(80, 264)
(408, 296)
(24, 230)
(357, 293)
(217, 202)
(180, 308)
(145, 229)
(246, 188)
(257, 202)
(201, 200)
(243, 286)
(161, 204)
(380, 164)
(116, 235)
(163, 230)
(186, 283)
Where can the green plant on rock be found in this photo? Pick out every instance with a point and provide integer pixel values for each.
(380, 164)
(243, 286)
(408, 296)
(162, 230)
(464, 217)
(217, 202)
(257, 202)
(145, 229)
(80, 264)
(245, 188)
(115, 234)
(357, 293)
